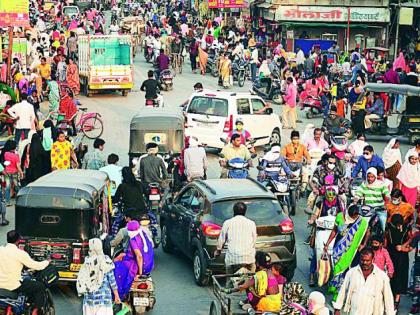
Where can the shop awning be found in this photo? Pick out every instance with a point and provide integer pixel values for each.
(317, 24)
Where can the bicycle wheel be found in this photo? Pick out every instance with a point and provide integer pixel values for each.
(92, 127)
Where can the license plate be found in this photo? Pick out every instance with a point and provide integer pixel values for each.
(414, 120)
(67, 274)
(154, 197)
(75, 267)
(138, 301)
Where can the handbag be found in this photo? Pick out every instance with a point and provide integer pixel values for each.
(324, 270)
(49, 276)
(121, 309)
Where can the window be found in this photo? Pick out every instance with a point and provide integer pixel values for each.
(242, 105)
(185, 197)
(208, 106)
(257, 105)
(197, 202)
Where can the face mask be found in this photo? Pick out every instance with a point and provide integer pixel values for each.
(395, 202)
(296, 141)
(367, 156)
(375, 247)
(331, 166)
(239, 127)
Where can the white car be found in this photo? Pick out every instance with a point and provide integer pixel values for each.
(211, 115)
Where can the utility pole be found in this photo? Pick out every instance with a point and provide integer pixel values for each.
(9, 56)
(348, 30)
(397, 31)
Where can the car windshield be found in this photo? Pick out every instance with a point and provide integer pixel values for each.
(261, 211)
(208, 106)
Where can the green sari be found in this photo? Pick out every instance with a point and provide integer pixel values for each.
(348, 240)
(53, 98)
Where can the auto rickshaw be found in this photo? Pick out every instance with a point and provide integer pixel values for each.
(57, 214)
(408, 120)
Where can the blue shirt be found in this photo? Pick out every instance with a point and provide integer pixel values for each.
(364, 165)
(377, 108)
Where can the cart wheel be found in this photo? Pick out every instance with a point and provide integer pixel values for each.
(215, 308)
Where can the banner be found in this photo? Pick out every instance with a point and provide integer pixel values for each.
(19, 50)
(226, 4)
(14, 13)
(332, 14)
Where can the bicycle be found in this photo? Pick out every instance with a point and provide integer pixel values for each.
(90, 124)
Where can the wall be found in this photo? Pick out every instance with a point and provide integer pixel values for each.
(351, 3)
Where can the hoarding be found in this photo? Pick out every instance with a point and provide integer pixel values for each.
(225, 4)
(14, 13)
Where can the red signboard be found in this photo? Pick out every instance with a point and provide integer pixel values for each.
(14, 13)
(225, 4)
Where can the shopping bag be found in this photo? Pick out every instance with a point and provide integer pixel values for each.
(324, 270)
(121, 309)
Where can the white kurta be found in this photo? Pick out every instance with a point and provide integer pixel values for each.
(372, 296)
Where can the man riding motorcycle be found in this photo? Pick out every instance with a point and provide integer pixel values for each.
(161, 63)
(152, 167)
(271, 162)
(334, 123)
(152, 87)
(295, 152)
(235, 149)
(11, 264)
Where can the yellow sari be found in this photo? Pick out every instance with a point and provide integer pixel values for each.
(267, 303)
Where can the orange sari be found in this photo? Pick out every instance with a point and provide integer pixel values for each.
(73, 78)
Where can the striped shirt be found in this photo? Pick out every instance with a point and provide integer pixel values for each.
(240, 235)
(373, 196)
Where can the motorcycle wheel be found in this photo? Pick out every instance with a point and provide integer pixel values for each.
(214, 71)
(49, 308)
(293, 201)
(241, 79)
(139, 310)
(309, 114)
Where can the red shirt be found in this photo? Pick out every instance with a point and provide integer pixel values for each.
(14, 160)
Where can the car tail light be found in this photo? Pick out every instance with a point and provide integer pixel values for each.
(228, 124)
(77, 257)
(154, 191)
(211, 229)
(143, 286)
(21, 244)
(286, 226)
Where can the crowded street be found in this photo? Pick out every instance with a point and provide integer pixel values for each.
(171, 158)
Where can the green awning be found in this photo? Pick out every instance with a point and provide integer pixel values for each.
(339, 25)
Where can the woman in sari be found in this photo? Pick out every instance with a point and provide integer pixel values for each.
(349, 232)
(73, 76)
(409, 177)
(53, 97)
(263, 291)
(137, 259)
(225, 69)
(202, 58)
(392, 160)
(399, 63)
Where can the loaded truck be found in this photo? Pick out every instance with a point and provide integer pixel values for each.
(105, 63)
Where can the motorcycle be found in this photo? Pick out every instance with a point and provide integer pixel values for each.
(324, 226)
(149, 54)
(370, 214)
(150, 102)
(354, 186)
(273, 94)
(238, 71)
(166, 80)
(154, 196)
(142, 295)
(294, 189)
(150, 221)
(13, 303)
(314, 106)
(212, 64)
(339, 145)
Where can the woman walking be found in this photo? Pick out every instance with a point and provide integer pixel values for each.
(397, 234)
(392, 160)
(53, 97)
(96, 281)
(12, 169)
(62, 154)
(409, 177)
(194, 54)
(73, 76)
(202, 57)
(39, 160)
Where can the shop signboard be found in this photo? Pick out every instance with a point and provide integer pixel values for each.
(332, 14)
(14, 13)
(226, 4)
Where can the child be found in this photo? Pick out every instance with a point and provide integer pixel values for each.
(381, 258)
(341, 104)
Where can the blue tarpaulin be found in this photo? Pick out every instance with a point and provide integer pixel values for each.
(307, 44)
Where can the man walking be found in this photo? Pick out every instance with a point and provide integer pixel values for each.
(289, 110)
(365, 290)
(195, 160)
(24, 115)
(95, 159)
(114, 172)
(239, 234)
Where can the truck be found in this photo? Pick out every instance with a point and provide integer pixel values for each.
(106, 63)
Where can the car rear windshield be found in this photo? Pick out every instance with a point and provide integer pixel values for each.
(261, 211)
(208, 106)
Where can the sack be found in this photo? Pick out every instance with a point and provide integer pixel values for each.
(324, 270)
(49, 276)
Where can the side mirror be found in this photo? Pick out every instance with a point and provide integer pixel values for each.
(268, 111)
(223, 139)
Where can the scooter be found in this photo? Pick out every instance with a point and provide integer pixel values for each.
(238, 168)
(339, 145)
(142, 295)
(314, 107)
(274, 93)
(167, 80)
(238, 71)
(369, 213)
(149, 54)
(150, 220)
(324, 226)
(212, 64)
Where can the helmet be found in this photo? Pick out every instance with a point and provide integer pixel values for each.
(330, 194)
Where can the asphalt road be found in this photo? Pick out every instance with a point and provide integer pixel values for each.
(175, 287)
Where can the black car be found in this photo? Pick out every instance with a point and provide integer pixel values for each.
(193, 221)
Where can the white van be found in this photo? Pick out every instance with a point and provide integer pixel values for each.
(212, 115)
(71, 11)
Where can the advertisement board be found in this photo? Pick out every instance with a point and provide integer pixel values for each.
(225, 4)
(14, 13)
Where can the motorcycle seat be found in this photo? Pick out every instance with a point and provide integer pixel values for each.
(8, 294)
(377, 120)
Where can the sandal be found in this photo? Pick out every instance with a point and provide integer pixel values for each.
(5, 222)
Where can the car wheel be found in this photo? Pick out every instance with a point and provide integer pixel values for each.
(166, 241)
(275, 138)
(214, 310)
(200, 268)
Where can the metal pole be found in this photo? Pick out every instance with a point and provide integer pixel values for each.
(9, 56)
(348, 30)
(397, 32)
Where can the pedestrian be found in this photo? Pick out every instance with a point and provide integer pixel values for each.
(381, 258)
(73, 80)
(61, 69)
(397, 234)
(225, 70)
(53, 98)
(239, 234)
(289, 109)
(194, 54)
(202, 57)
(409, 177)
(114, 172)
(414, 150)
(48, 136)
(39, 160)
(12, 170)
(316, 304)
(365, 290)
(95, 159)
(399, 205)
(62, 153)
(96, 281)
(24, 115)
(392, 160)
(254, 59)
(195, 160)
